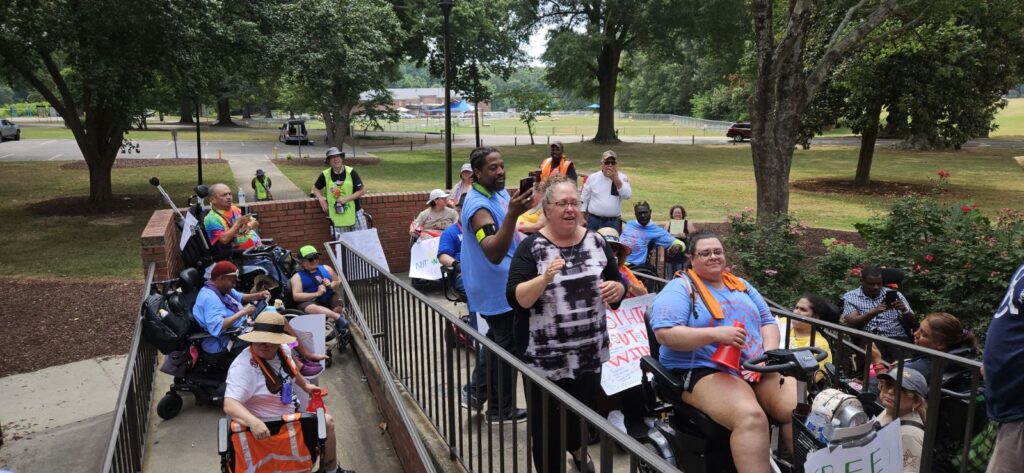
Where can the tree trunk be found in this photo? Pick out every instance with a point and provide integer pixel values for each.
(338, 124)
(99, 140)
(607, 78)
(223, 113)
(476, 121)
(101, 190)
(185, 112)
(868, 138)
(267, 112)
(246, 112)
(772, 162)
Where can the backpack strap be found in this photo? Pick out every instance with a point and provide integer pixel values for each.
(912, 423)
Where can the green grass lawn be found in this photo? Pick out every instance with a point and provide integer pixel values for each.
(712, 181)
(80, 246)
(1010, 120)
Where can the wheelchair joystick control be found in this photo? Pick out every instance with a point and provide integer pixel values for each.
(728, 355)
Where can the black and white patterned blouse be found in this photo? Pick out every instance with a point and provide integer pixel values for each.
(567, 331)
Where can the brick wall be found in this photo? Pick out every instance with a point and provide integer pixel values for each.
(294, 223)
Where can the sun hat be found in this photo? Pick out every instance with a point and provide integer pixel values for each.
(223, 268)
(913, 380)
(260, 173)
(466, 168)
(1020, 160)
(269, 328)
(308, 252)
(333, 151)
(437, 194)
(611, 236)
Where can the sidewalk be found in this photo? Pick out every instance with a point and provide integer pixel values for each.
(59, 418)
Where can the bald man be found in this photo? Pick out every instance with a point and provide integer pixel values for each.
(226, 227)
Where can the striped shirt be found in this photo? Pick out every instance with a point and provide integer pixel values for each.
(886, 324)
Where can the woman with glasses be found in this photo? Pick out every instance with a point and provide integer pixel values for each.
(561, 279)
(692, 317)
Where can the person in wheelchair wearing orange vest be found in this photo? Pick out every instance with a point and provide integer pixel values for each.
(557, 164)
(260, 382)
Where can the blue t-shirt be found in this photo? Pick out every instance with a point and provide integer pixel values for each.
(485, 281)
(210, 312)
(451, 242)
(637, 237)
(672, 308)
(1004, 355)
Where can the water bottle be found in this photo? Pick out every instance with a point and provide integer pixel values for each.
(241, 196)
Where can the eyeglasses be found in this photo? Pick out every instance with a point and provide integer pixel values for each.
(312, 257)
(566, 203)
(708, 253)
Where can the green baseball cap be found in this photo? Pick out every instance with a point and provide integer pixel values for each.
(308, 252)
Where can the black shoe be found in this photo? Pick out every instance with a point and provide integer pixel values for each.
(514, 416)
(588, 468)
(469, 401)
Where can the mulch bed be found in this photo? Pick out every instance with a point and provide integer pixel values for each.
(49, 322)
(886, 188)
(80, 205)
(319, 163)
(143, 163)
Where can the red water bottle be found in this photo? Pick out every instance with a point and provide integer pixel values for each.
(728, 355)
(316, 400)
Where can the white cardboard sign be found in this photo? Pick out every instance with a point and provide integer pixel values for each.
(423, 263)
(367, 243)
(629, 343)
(884, 453)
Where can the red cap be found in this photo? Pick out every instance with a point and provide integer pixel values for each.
(223, 268)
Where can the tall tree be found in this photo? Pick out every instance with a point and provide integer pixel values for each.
(354, 49)
(90, 61)
(788, 77)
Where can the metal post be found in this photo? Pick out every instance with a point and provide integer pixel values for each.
(199, 148)
(174, 136)
(446, 8)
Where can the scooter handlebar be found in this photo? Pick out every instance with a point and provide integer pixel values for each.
(754, 364)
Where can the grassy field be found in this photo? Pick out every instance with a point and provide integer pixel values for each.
(80, 246)
(712, 181)
(1010, 120)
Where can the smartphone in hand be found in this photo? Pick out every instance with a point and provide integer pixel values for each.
(890, 298)
(525, 184)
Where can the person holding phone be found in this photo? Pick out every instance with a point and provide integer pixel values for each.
(877, 309)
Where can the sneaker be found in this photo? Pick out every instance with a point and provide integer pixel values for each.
(468, 401)
(515, 416)
(618, 420)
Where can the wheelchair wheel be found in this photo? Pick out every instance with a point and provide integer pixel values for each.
(169, 406)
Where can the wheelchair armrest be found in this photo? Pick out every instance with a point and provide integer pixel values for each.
(222, 434)
(663, 376)
(321, 424)
(193, 337)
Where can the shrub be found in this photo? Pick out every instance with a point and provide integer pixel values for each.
(288, 157)
(955, 259)
(837, 271)
(769, 255)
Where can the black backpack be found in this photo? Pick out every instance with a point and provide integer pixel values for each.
(165, 329)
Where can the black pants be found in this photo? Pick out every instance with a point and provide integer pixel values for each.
(889, 352)
(583, 389)
(501, 376)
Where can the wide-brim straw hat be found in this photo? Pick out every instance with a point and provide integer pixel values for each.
(269, 328)
(611, 236)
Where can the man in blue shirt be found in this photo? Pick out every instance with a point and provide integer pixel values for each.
(218, 307)
(449, 250)
(1004, 377)
(865, 308)
(489, 216)
(638, 233)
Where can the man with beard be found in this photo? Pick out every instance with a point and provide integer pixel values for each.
(489, 220)
(638, 233)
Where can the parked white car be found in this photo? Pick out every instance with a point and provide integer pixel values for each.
(9, 131)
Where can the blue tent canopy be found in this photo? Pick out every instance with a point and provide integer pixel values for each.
(457, 107)
(593, 106)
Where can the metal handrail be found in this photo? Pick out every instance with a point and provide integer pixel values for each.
(607, 431)
(390, 385)
(127, 443)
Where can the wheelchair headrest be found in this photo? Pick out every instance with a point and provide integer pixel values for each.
(190, 280)
(892, 276)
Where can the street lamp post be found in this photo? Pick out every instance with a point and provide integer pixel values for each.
(199, 147)
(446, 8)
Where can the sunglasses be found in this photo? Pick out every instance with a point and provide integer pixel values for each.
(312, 257)
(609, 161)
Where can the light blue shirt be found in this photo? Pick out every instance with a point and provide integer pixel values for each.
(485, 281)
(210, 313)
(672, 308)
(637, 237)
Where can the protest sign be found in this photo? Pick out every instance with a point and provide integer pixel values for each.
(629, 343)
(311, 330)
(367, 243)
(883, 453)
(423, 263)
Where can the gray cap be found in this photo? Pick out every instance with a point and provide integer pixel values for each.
(913, 380)
(259, 172)
(466, 168)
(334, 151)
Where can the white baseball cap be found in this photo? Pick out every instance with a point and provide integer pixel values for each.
(437, 194)
(466, 168)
